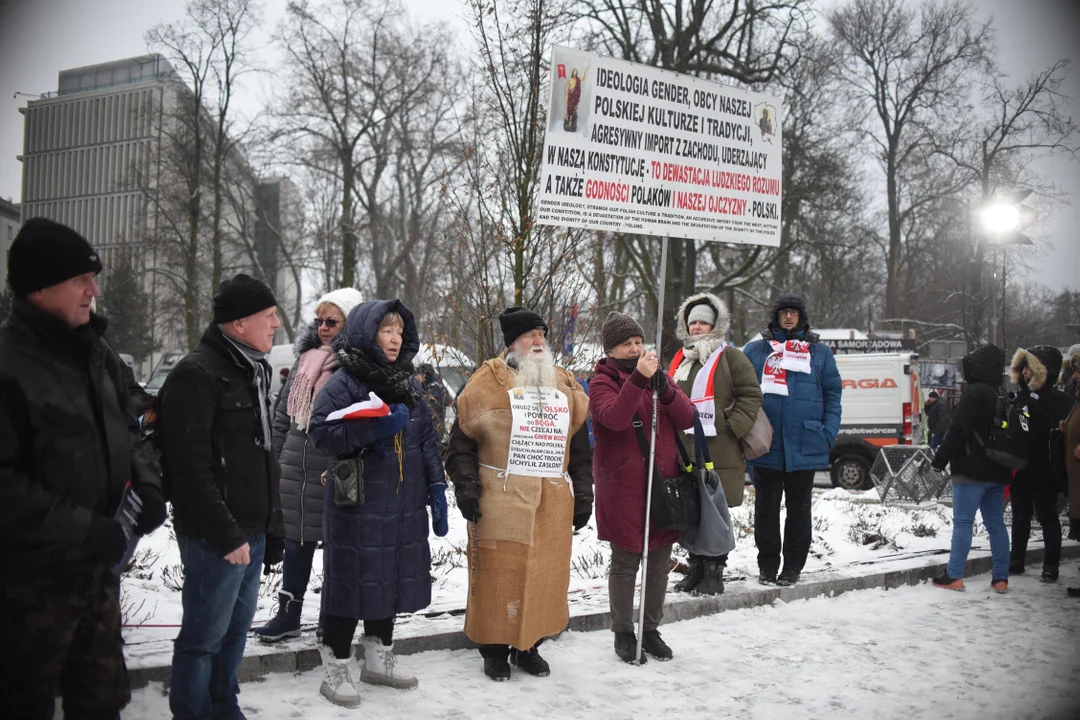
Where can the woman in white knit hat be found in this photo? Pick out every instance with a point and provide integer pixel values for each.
(302, 464)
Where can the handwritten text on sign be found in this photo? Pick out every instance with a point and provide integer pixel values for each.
(633, 148)
(541, 431)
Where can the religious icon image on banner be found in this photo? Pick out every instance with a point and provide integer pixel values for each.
(766, 119)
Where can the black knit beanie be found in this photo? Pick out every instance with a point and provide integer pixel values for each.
(618, 328)
(240, 297)
(516, 321)
(46, 253)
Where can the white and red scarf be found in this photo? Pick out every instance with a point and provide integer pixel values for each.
(790, 356)
(702, 394)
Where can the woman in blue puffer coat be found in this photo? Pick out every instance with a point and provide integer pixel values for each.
(376, 556)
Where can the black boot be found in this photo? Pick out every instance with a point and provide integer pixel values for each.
(653, 644)
(713, 582)
(626, 647)
(1016, 566)
(787, 577)
(1049, 574)
(530, 661)
(285, 623)
(1073, 592)
(767, 577)
(496, 666)
(694, 574)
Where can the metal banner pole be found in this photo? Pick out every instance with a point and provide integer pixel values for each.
(652, 449)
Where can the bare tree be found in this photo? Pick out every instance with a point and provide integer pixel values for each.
(907, 69)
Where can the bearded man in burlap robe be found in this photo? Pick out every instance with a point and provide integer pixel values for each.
(521, 464)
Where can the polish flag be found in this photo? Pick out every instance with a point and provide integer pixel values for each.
(373, 407)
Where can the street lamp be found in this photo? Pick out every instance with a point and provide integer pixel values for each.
(1001, 219)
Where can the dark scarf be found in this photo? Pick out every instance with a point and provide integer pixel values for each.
(392, 383)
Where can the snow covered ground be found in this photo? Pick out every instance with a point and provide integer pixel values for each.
(914, 652)
(848, 528)
(852, 533)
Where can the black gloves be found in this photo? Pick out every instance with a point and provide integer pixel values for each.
(153, 509)
(107, 539)
(581, 520)
(660, 378)
(470, 508)
(275, 552)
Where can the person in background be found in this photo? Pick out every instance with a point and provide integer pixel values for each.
(69, 447)
(376, 558)
(303, 464)
(217, 461)
(436, 398)
(702, 325)
(937, 419)
(1071, 428)
(1034, 371)
(521, 519)
(802, 390)
(978, 483)
(622, 387)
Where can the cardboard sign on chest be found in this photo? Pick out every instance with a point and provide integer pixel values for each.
(540, 431)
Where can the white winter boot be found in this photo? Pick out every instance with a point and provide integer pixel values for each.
(380, 666)
(339, 686)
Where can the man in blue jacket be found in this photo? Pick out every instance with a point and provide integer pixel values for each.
(802, 389)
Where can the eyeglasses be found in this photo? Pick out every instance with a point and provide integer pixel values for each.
(330, 323)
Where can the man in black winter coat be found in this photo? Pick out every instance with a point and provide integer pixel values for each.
(937, 419)
(215, 439)
(1035, 371)
(68, 449)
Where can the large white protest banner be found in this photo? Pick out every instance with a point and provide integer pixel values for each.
(633, 148)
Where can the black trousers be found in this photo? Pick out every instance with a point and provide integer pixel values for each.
(770, 487)
(1043, 500)
(338, 633)
(60, 632)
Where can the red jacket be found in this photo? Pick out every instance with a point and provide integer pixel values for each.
(619, 470)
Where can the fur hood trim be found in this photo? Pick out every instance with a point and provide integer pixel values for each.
(1021, 359)
(723, 315)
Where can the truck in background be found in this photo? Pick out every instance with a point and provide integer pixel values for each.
(882, 406)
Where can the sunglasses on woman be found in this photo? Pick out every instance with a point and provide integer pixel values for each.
(330, 323)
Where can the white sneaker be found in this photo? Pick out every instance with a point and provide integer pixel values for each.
(380, 666)
(339, 686)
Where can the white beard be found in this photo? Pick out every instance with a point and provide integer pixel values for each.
(534, 369)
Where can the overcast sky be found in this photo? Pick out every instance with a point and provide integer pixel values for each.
(38, 38)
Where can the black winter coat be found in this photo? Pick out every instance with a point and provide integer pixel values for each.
(937, 417)
(221, 479)
(1047, 407)
(302, 464)
(974, 414)
(68, 440)
(376, 557)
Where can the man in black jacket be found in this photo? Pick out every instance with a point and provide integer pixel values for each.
(978, 482)
(937, 419)
(68, 449)
(215, 439)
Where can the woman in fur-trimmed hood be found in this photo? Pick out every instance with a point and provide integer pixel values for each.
(702, 325)
(1035, 370)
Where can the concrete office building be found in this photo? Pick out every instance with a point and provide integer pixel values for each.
(98, 149)
(9, 228)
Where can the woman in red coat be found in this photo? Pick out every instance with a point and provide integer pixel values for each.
(622, 387)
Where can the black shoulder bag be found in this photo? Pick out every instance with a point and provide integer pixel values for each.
(676, 502)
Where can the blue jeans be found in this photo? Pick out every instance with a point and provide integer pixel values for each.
(990, 500)
(219, 602)
(296, 569)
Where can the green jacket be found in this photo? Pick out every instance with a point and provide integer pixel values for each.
(724, 448)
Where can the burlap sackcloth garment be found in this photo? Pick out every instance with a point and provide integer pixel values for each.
(519, 552)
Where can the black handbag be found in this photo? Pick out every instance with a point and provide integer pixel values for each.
(676, 502)
(348, 476)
